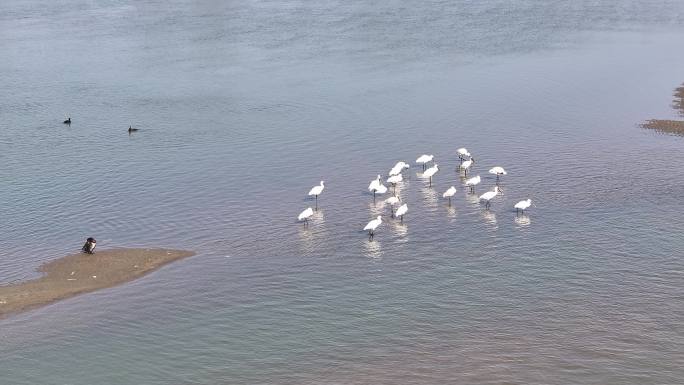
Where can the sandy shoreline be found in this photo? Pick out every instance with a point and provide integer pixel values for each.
(84, 273)
(670, 126)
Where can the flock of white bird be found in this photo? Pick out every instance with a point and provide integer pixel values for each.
(395, 177)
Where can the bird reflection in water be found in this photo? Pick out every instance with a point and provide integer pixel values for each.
(430, 195)
(473, 199)
(489, 217)
(372, 248)
(522, 220)
(312, 231)
(451, 211)
(377, 208)
(401, 230)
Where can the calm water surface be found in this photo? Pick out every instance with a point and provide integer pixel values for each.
(243, 106)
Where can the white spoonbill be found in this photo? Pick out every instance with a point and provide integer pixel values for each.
(374, 183)
(305, 215)
(394, 179)
(465, 166)
(316, 191)
(449, 193)
(489, 195)
(392, 201)
(424, 159)
(398, 168)
(522, 205)
(498, 171)
(463, 153)
(472, 182)
(430, 172)
(401, 211)
(376, 186)
(372, 225)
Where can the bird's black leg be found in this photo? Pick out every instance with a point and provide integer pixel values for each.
(316, 202)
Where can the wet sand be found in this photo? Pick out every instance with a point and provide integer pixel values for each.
(670, 126)
(83, 273)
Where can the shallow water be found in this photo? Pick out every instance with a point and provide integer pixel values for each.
(244, 106)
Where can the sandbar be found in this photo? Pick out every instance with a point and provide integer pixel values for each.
(83, 273)
(670, 126)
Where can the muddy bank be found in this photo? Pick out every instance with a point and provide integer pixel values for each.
(670, 126)
(84, 273)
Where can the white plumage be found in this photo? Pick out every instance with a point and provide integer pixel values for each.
(398, 168)
(424, 159)
(372, 225)
(462, 153)
(430, 172)
(403, 209)
(489, 195)
(466, 165)
(449, 193)
(392, 200)
(523, 205)
(381, 189)
(472, 182)
(394, 179)
(305, 215)
(317, 190)
(374, 184)
(497, 171)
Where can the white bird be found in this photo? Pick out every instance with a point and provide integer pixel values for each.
(472, 182)
(489, 195)
(498, 171)
(449, 193)
(403, 209)
(394, 179)
(463, 153)
(466, 165)
(424, 159)
(430, 172)
(398, 168)
(372, 225)
(392, 201)
(374, 183)
(522, 205)
(316, 191)
(305, 215)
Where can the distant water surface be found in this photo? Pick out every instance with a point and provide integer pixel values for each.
(244, 106)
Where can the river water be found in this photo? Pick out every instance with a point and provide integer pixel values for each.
(244, 106)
